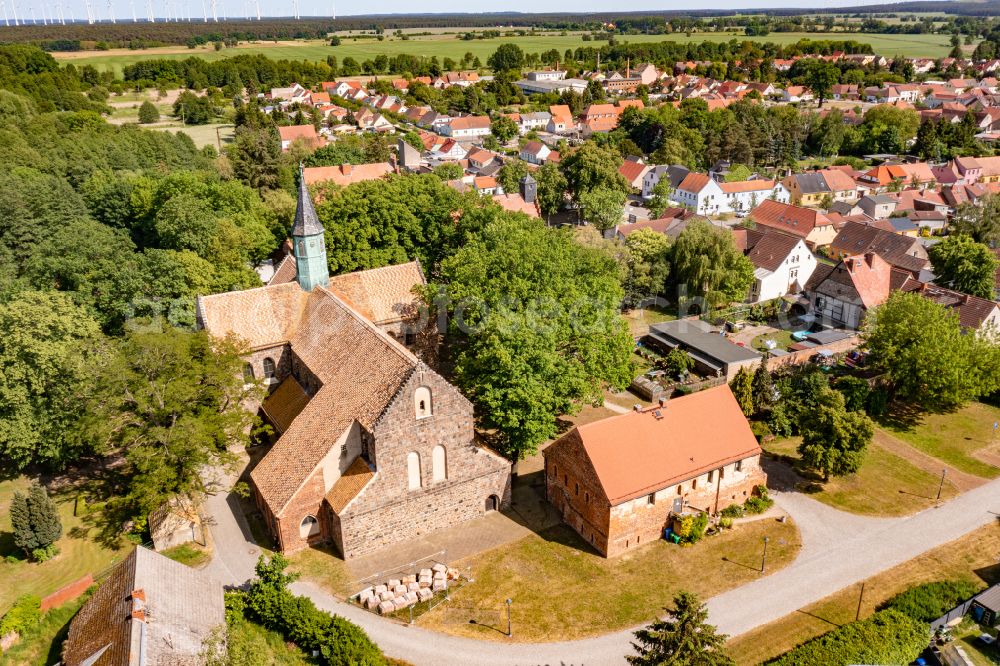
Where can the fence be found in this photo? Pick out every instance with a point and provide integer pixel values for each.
(803, 355)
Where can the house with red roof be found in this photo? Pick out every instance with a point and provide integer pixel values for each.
(306, 133)
(620, 481)
(809, 224)
(633, 170)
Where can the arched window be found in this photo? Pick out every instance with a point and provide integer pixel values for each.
(308, 527)
(439, 463)
(413, 469)
(268, 368)
(248, 373)
(422, 402)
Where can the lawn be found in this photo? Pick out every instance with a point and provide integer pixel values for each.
(563, 590)
(958, 437)
(324, 567)
(972, 557)
(886, 484)
(449, 46)
(640, 319)
(80, 552)
(189, 554)
(783, 338)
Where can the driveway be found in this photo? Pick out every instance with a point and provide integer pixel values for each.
(838, 550)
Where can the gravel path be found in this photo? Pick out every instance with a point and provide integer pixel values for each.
(838, 550)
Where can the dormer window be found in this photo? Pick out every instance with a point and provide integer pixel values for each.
(268, 368)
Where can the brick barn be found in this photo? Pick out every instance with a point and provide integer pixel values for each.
(374, 447)
(616, 481)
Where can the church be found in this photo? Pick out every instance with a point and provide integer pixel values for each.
(373, 446)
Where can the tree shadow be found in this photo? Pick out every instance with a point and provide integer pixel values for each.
(989, 574)
(902, 416)
(7, 547)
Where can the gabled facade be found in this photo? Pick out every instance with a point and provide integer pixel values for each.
(782, 264)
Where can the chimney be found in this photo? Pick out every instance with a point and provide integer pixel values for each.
(663, 401)
(870, 259)
(139, 614)
(628, 68)
(637, 407)
(139, 594)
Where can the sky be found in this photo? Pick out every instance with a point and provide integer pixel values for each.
(39, 10)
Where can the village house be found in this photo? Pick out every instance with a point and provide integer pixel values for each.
(148, 610)
(347, 174)
(743, 195)
(674, 173)
(815, 228)
(373, 447)
(633, 170)
(903, 252)
(466, 127)
(782, 263)
(841, 295)
(561, 121)
(877, 206)
(617, 481)
(305, 133)
(535, 152)
(812, 187)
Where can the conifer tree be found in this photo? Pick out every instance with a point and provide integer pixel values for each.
(742, 386)
(45, 522)
(763, 389)
(685, 638)
(20, 520)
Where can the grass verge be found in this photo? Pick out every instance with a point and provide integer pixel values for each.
(972, 557)
(563, 590)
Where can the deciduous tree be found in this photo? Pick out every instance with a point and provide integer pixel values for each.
(965, 265)
(706, 262)
(834, 440)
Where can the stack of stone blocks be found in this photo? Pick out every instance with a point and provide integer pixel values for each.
(399, 593)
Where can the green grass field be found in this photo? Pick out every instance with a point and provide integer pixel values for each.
(448, 46)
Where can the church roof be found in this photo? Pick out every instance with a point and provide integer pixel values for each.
(306, 220)
(384, 294)
(262, 317)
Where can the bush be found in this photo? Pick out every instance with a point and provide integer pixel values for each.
(760, 502)
(148, 113)
(760, 430)
(338, 641)
(887, 637)
(732, 511)
(691, 528)
(928, 602)
(45, 553)
(24, 615)
(725, 522)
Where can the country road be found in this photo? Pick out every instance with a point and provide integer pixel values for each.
(838, 550)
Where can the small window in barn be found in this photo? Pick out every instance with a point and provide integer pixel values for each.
(680, 489)
(694, 484)
(308, 527)
(566, 480)
(577, 488)
(739, 465)
(586, 498)
(248, 373)
(268, 368)
(711, 476)
(555, 471)
(651, 498)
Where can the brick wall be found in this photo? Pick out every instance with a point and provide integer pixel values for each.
(67, 593)
(803, 355)
(387, 511)
(573, 489)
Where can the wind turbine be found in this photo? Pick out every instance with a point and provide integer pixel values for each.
(13, 8)
(257, 4)
(111, 11)
(215, 11)
(295, 8)
(3, 7)
(90, 12)
(131, 4)
(149, 11)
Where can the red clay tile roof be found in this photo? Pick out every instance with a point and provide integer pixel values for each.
(694, 182)
(515, 203)
(349, 485)
(787, 218)
(261, 317)
(770, 249)
(347, 174)
(637, 453)
(470, 122)
(285, 403)
(484, 182)
(632, 170)
(286, 271)
(383, 295)
(293, 132)
(972, 311)
(865, 279)
(746, 186)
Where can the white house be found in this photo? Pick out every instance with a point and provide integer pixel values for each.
(535, 152)
(674, 173)
(706, 196)
(466, 127)
(782, 264)
(744, 195)
(537, 120)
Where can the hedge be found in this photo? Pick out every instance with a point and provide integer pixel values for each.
(928, 602)
(887, 637)
(339, 642)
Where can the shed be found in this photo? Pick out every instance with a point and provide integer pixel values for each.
(176, 522)
(710, 350)
(986, 607)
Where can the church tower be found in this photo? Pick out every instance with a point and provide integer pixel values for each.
(309, 244)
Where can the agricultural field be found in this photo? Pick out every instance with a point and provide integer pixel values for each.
(449, 46)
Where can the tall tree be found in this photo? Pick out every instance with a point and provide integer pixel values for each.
(763, 389)
(660, 201)
(507, 57)
(980, 221)
(551, 188)
(170, 401)
(35, 521)
(962, 264)
(742, 387)
(834, 439)
(648, 259)
(706, 263)
(603, 207)
(47, 346)
(503, 128)
(821, 77)
(921, 350)
(685, 638)
(591, 166)
(534, 316)
(255, 155)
